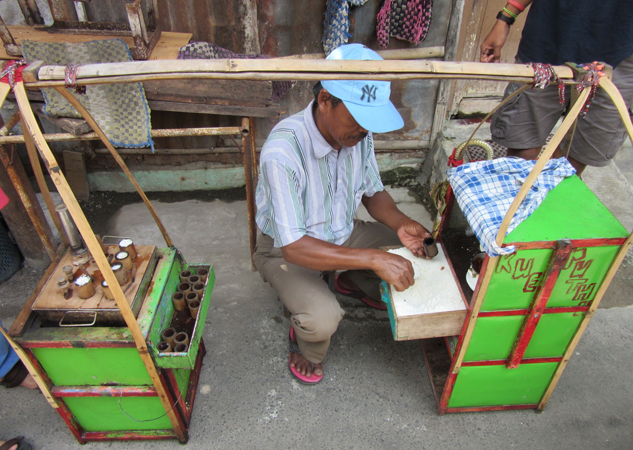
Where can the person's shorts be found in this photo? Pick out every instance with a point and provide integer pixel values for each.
(526, 120)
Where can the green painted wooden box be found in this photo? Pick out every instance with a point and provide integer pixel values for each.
(168, 278)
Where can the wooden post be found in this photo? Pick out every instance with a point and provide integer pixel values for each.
(248, 151)
(94, 246)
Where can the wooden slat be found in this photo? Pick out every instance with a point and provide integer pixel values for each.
(169, 44)
(94, 246)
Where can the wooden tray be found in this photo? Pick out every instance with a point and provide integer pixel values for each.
(52, 305)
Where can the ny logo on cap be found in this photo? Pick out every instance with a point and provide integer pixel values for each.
(370, 91)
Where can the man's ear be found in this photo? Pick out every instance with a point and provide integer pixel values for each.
(324, 98)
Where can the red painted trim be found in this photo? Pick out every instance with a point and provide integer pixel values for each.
(450, 265)
(149, 435)
(77, 344)
(491, 408)
(576, 243)
(194, 377)
(172, 401)
(523, 312)
(104, 391)
(511, 312)
(566, 309)
(71, 422)
(501, 362)
(556, 265)
(175, 392)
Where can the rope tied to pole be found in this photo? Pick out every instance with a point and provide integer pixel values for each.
(70, 77)
(12, 73)
(544, 74)
(591, 79)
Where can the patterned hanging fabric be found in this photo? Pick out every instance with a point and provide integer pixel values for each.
(408, 20)
(336, 24)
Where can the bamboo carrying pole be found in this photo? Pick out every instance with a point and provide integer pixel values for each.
(290, 69)
(88, 118)
(94, 246)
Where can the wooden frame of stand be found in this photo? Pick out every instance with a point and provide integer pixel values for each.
(37, 76)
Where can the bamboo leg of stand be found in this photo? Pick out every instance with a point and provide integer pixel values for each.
(41, 182)
(88, 118)
(29, 366)
(96, 250)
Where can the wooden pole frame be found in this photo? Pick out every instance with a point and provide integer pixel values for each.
(94, 246)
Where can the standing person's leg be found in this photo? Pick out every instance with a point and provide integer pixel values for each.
(314, 308)
(600, 134)
(524, 123)
(366, 235)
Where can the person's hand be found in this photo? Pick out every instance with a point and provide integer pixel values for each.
(412, 236)
(395, 270)
(491, 46)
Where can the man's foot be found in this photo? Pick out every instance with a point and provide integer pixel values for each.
(305, 367)
(302, 369)
(343, 285)
(29, 382)
(15, 444)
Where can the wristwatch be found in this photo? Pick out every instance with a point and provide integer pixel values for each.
(507, 19)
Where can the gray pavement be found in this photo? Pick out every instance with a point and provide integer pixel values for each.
(376, 392)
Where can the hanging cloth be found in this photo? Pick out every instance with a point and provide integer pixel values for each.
(408, 20)
(336, 24)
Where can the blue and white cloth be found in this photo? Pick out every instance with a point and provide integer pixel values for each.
(306, 188)
(8, 356)
(485, 190)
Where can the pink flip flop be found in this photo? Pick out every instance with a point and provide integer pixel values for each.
(294, 348)
(359, 295)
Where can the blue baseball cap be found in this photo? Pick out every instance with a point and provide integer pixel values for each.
(367, 100)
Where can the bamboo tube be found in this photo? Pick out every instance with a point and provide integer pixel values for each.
(88, 118)
(95, 249)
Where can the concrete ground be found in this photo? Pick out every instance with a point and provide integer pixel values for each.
(376, 392)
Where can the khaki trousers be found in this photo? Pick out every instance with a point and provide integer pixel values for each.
(315, 311)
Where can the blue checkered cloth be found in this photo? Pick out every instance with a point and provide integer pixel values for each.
(485, 190)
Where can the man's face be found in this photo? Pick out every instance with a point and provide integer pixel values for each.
(337, 125)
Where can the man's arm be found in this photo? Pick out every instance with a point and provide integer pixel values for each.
(320, 255)
(492, 44)
(382, 208)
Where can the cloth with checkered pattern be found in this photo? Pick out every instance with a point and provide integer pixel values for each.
(120, 110)
(336, 24)
(485, 190)
(408, 20)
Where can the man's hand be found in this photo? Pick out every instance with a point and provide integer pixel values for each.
(412, 236)
(395, 270)
(491, 46)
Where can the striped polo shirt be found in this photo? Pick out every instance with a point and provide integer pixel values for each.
(306, 188)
